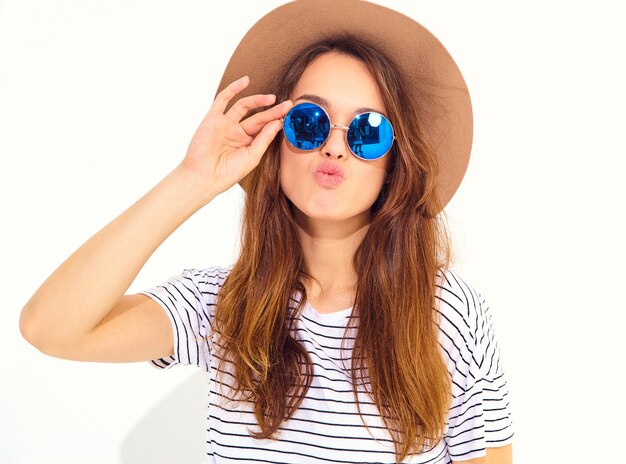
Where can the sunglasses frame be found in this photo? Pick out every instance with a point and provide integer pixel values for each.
(344, 128)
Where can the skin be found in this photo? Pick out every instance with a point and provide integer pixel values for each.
(332, 222)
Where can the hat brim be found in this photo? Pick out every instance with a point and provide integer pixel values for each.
(447, 118)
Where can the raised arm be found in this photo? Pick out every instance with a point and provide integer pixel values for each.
(86, 292)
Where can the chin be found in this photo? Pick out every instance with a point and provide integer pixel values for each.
(320, 213)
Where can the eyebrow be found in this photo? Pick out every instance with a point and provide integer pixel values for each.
(322, 101)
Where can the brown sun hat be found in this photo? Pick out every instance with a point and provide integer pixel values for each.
(446, 119)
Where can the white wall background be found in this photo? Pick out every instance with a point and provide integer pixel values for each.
(99, 100)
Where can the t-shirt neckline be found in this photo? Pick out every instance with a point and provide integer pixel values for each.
(336, 315)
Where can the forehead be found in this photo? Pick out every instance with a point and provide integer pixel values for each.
(339, 83)
(326, 104)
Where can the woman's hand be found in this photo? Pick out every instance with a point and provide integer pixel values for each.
(225, 149)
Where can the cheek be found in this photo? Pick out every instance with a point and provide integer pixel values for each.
(377, 172)
(371, 182)
(375, 179)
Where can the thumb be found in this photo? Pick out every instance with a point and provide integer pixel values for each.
(264, 138)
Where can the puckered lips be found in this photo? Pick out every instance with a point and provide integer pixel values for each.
(328, 174)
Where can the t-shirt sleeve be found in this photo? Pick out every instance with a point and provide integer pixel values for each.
(480, 412)
(188, 300)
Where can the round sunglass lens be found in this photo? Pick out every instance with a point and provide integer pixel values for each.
(370, 135)
(306, 126)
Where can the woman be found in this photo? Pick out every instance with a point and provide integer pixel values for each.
(341, 333)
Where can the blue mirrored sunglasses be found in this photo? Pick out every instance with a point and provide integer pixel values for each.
(369, 135)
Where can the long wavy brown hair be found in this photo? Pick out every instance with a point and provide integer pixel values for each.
(407, 243)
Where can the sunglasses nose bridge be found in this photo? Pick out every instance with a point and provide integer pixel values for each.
(338, 126)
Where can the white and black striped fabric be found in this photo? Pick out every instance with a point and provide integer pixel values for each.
(327, 427)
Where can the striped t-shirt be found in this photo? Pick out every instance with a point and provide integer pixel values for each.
(326, 427)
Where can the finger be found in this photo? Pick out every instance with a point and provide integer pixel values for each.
(241, 107)
(263, 139)
(256, 122)
(227, 93)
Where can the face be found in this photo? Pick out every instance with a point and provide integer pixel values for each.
(347, 85)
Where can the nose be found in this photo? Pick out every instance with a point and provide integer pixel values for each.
(336, 143)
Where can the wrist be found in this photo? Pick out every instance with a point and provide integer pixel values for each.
(193, 185)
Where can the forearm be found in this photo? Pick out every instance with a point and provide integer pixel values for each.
(84, 288)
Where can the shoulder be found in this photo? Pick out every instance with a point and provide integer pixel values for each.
(459, 303)
(209, 275)
(465, 325)
(208, 278)
(479, 414)
(466, 332)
